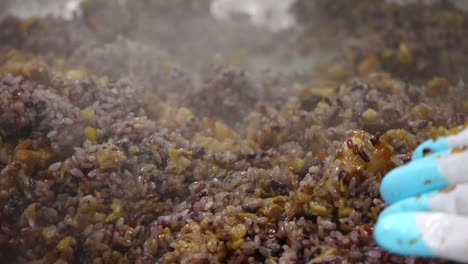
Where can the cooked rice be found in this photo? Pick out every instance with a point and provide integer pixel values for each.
(142, 167)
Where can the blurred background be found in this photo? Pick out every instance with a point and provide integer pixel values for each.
(257, 34)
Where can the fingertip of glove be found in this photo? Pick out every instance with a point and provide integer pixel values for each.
(415, 178)
(430, 146)
(399, 233)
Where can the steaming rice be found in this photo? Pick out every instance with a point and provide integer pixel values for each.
(96, 169)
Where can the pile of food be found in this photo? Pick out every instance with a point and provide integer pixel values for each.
(111, 153)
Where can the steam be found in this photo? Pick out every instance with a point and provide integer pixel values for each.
(41, 8)
(271, 14)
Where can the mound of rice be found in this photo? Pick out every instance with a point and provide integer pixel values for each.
(155, 167)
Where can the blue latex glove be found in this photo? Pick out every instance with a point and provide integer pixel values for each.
(428, 202)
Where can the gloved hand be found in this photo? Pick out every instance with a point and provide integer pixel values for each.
(428, 202)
